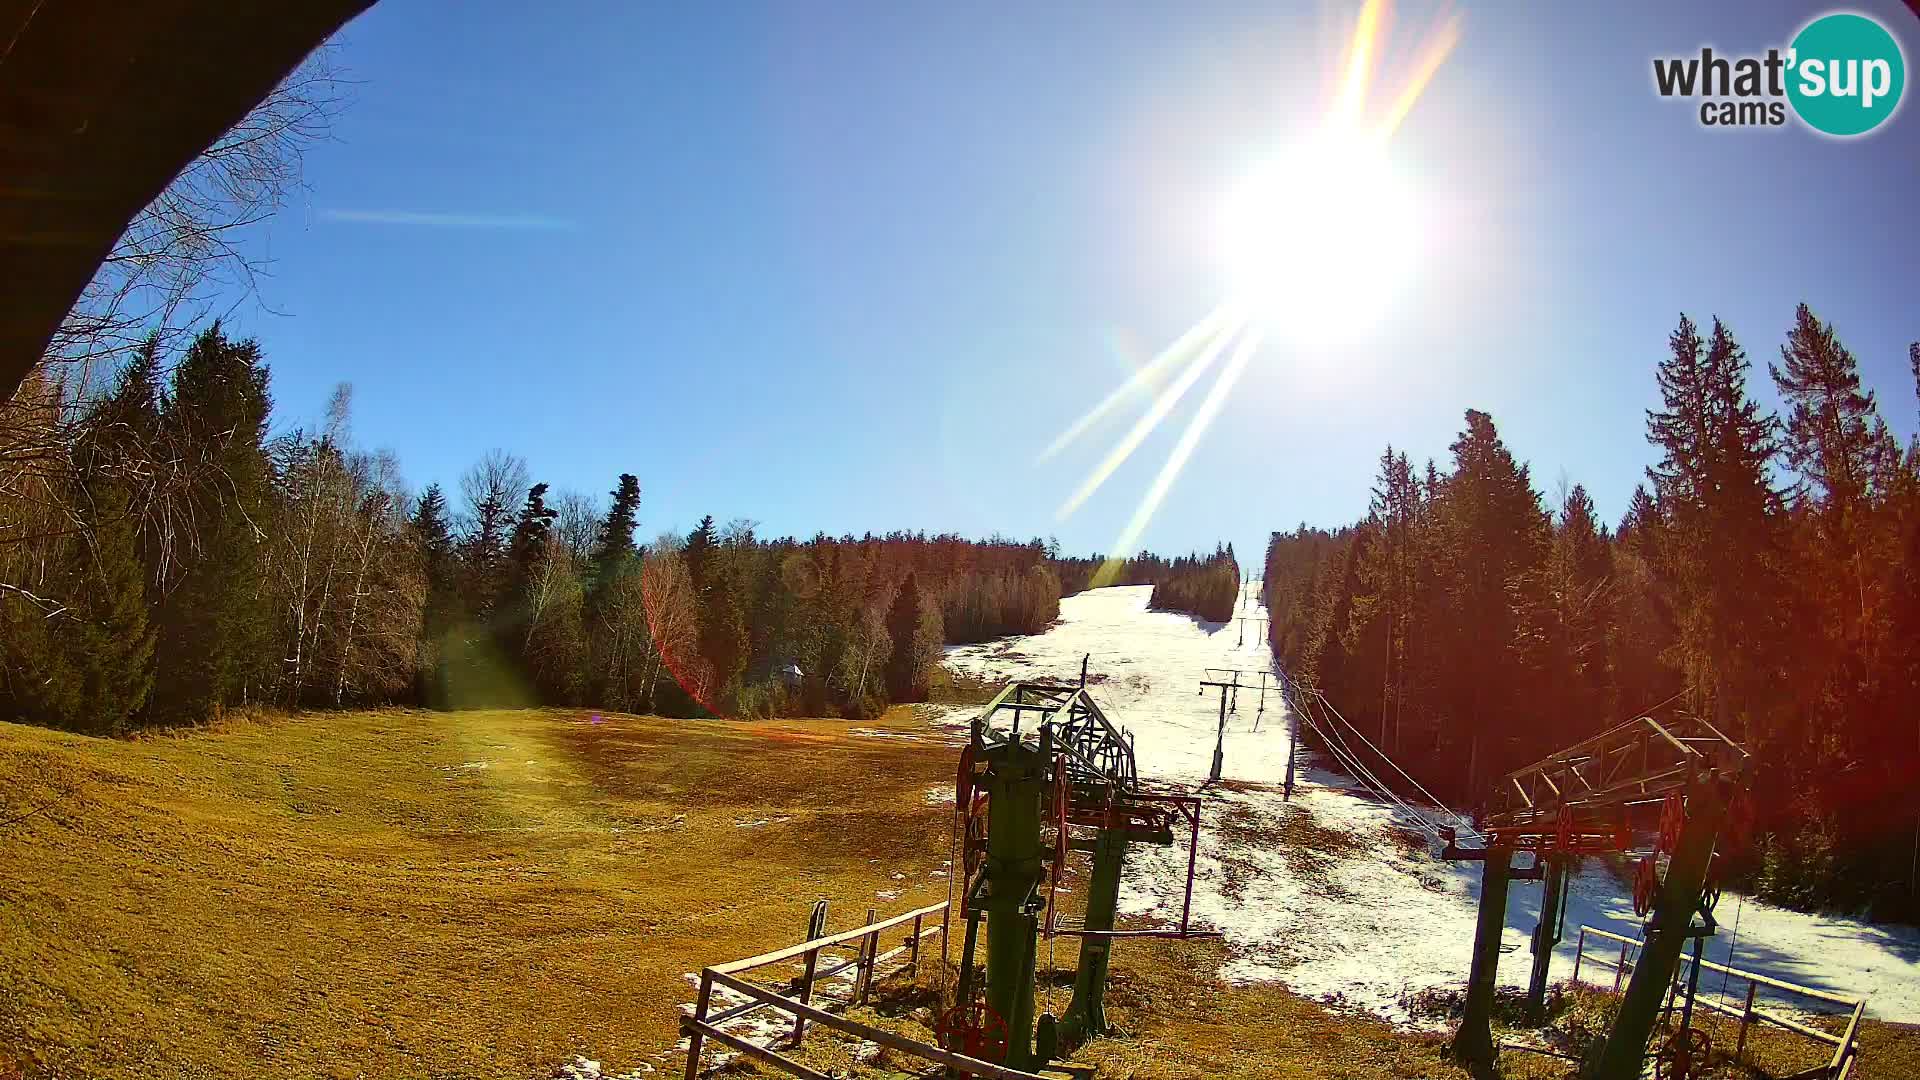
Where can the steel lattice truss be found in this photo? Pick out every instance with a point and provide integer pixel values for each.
(1103, 781)
(1098, 753)
(1579, 798)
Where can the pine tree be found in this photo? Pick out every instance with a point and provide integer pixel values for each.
(614, 545)
(214, 623)
(624, 663)
(531, 530)
(1839, 445)
(1383, 616)
(87, 666)
(697, 550)
(433, 536)
(1721, 554)
(1834, 433)
(117, 643)
(1494, 530)
(903, 624)
(433, 532)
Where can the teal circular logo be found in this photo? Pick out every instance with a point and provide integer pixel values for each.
(1845, 74)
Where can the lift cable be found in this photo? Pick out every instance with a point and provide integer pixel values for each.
(1351, 760)
(1459, 819)
(1337, 743)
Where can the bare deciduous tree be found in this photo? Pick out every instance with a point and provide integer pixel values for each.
(176, 257)
(183, 252)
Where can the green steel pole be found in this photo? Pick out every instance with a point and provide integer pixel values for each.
(1626, 1046)
(1016, 782)
(1473, 1045)
(1087, 1013)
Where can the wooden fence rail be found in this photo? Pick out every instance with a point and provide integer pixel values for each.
(796, 998)
(1846, 1050)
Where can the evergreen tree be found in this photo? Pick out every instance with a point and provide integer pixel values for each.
(433, 532)
(1837, 443)
(614, 545)
(433, 535)
(531, 530)
(624, 663)
(87, 666)
(1721, 552)
(903, 624)
(697, 550)
(1494, 530)
(214, 624)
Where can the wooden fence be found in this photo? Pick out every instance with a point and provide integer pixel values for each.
(1846, 1051)
(796, 998)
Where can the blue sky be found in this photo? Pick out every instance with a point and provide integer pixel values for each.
(851, 266)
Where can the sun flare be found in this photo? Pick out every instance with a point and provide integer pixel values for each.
(1315, 244)
(1317, 241)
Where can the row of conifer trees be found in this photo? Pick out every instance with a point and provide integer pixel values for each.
(1207, 586)
(1766, 577)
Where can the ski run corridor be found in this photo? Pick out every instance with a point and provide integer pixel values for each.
(1336, 895)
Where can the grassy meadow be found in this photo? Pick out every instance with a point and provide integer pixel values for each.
(489, 894)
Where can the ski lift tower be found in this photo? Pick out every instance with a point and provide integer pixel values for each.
(1230, 682)
(1045, 754)
(1675, 780)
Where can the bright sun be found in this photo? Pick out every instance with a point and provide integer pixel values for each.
(1316, 242)
(1316, 246)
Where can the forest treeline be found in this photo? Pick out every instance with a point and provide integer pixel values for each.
(1207, 586)
(1202, 585)
(1766, 576)
(167, 557)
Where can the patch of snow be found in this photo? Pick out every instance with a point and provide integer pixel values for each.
(888, 894)
(584, 1068)
(877, 733)
(1368, 927)
(763, 1026)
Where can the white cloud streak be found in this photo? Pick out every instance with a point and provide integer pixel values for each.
(445, 221)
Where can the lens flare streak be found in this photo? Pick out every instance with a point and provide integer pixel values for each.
(1162, 405)
(1182, 348)
(1210, 407)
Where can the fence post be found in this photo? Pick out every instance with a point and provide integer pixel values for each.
(1834, 1068)
(1746, 1017)
(863, 974)
(913, 954)
(806, 996)
(694, 1035)
(1579, 950)
(1620, 973)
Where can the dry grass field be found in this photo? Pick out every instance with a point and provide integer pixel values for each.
(489, 894)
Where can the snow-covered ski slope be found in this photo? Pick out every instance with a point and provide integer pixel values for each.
(1322, 894)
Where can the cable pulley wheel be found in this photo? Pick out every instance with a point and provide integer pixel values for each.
(1683, 1056)
(1673, 818)
(974, 1029)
